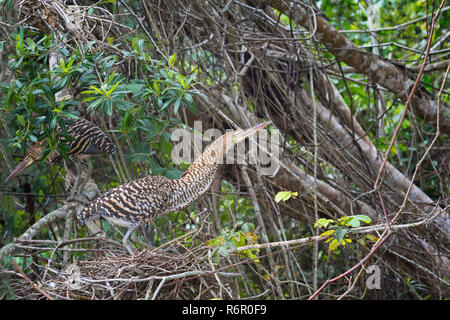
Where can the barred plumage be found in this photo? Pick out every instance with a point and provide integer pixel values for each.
(89, 139)
(140, 200)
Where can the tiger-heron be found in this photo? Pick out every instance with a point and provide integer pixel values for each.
(139, 201)
(88, 139)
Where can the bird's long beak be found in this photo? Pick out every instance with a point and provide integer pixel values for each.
(244, 133)
(22, 166)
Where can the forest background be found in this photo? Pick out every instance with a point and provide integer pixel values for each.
(357, 90)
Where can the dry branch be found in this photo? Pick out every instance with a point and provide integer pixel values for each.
(382, 71)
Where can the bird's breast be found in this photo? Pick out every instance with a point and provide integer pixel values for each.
(138, 200)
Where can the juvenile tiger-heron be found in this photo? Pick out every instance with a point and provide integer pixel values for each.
(138, 201)
(88, 139)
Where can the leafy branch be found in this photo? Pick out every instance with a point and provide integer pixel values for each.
(338, 229)
(231, 239)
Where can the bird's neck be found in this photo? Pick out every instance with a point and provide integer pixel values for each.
(194, 183)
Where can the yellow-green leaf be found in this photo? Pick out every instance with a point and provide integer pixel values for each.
(285, 195)
(371, 238)
(323, 222)
(95, 90)
(334, 244)
(21, 120)
(112, 88)
(172, 59)
(328, 233)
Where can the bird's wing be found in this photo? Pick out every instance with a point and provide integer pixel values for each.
(89, 139)
(138, 200)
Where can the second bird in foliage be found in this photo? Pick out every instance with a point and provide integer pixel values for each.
(88, 139)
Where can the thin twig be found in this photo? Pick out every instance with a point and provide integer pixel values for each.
(23, 275)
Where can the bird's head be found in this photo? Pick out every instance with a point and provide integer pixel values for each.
(240, 134)
(217, 150)
(32, 155)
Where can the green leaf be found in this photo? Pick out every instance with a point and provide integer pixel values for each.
(328, 233)
(334, 244)
(223, 251)
(354, 221)
(17, 64)
(31, 101)
(49, 95)
(60, 84)
(21, 120)
(172, 60)
(177, 105)
(19, 38)
(112, 88)
(95, 104)
(363, 218)
(69, 114)
(167, 104)
(109, 107)
(323, 223)
(188, 98)
(340, 233)
(280, 195)
(32, 138)
(173, 173)
(64, 52)
(285, 195)
(371, 237)
(135, 87)
(9, 98)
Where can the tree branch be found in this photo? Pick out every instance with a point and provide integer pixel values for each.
(382, 71)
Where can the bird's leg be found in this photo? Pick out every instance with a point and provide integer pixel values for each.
(144, 232)
(94, 230)
(79, 171)
(72, 180)
(136, 240)
(69, 176)
(73, 191)
(125, 241)
(87, 176)
(83, 173)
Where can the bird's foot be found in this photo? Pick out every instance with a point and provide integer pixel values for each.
(100, 234)
(135, 239)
